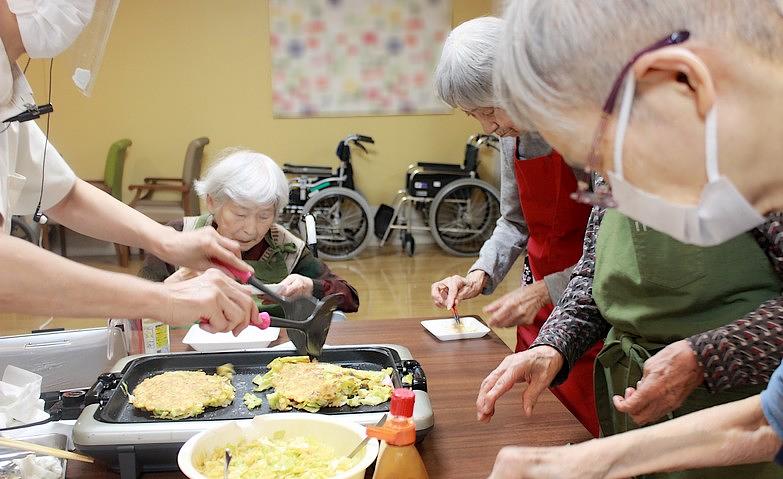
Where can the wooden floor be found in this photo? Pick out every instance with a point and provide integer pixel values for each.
(389, 283)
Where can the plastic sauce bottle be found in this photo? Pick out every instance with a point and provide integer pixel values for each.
(398, 458)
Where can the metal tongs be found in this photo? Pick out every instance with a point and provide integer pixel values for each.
(307, 319)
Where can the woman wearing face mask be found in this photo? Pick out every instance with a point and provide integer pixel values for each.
(681, 85)
(245, 191)
(43, 29)
(538, 217)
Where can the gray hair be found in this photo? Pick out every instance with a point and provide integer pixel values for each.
(245, 177)
(559, 55)
(463, 78)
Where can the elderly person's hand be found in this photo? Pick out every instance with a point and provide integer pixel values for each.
(564, 462)
(536, 366)
(212, 296)
(295, 285)
(197, 249)
(449, 291)
(518, 307)
(669, 377)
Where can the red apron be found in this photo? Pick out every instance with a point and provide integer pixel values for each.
(557, 229)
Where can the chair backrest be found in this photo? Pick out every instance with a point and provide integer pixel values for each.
(191, 169)
(115, 166)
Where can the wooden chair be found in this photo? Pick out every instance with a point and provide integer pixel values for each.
(111, 183)
(164, 211)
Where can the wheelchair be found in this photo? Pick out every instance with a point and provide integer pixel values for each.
(457, 207)
(21, 229)
(342, 215)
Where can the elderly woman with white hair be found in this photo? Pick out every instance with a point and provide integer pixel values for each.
(244, 192)
(538, 217)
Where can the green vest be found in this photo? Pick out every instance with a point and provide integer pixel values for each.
(654, 290)
(276, 263)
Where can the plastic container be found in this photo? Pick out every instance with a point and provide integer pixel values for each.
(340, 434)
(250, 338)
(449, 330)
(156, 336)
(398, 458)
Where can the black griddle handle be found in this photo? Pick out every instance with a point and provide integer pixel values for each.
(105, 382)
(411, 366)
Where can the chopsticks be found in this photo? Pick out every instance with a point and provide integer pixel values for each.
(50, 451)
(457, 319)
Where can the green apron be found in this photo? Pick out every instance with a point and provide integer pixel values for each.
(654, 290)
(277, 262)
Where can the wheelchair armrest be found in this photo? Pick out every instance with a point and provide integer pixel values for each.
(440, 166)
(307, 169)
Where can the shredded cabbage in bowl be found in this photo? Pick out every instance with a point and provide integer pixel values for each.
(276, 457)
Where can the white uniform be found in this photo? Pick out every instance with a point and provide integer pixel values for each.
(21, 160)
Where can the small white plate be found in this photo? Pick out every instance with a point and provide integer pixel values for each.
(448, 330)
(250, 338)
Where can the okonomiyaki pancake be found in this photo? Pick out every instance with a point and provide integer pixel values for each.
(182, 394)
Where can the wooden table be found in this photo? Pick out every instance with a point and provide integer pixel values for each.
(458, 446)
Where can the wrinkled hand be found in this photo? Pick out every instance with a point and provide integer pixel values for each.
(668, 379)
(537, 367)
(182, 274)
(212, 296)
(295, 285)
(450, 291)
(196, 249)
(564, 462)
(518, 307)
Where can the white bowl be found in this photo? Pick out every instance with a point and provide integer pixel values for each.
(340, 434)
(250, 338)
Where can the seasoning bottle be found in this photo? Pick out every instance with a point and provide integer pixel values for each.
(398, 458)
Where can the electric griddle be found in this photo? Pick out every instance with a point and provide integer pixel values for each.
(132, 441)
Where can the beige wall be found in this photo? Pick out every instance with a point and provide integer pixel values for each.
(178, 69)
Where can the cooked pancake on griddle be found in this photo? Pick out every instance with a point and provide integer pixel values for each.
(182, 394)
(306, 385)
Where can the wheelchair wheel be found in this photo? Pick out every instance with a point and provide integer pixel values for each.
(22, 230)
(463, 216)
(342, 222)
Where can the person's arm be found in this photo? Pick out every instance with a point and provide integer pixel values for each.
(325, 282)
(509, 238)
(92, 212)
(740, 353)
(729, 434)
(36, 281)
(154, 268)
(556, 283)
(576, 323)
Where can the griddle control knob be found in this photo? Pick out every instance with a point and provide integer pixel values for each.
(419, 379)
(73, 398)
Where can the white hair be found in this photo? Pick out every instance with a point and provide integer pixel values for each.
(463, 78)
(245, 177)
(556, 56)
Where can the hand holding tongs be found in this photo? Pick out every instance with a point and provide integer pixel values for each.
(308, 317)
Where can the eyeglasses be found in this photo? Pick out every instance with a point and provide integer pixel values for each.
(602, 195)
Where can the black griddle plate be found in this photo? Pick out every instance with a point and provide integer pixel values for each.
(247, 365)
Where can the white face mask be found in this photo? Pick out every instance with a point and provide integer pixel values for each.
(721, 213)
(48, 27)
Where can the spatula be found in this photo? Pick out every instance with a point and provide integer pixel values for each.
(307, 319)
